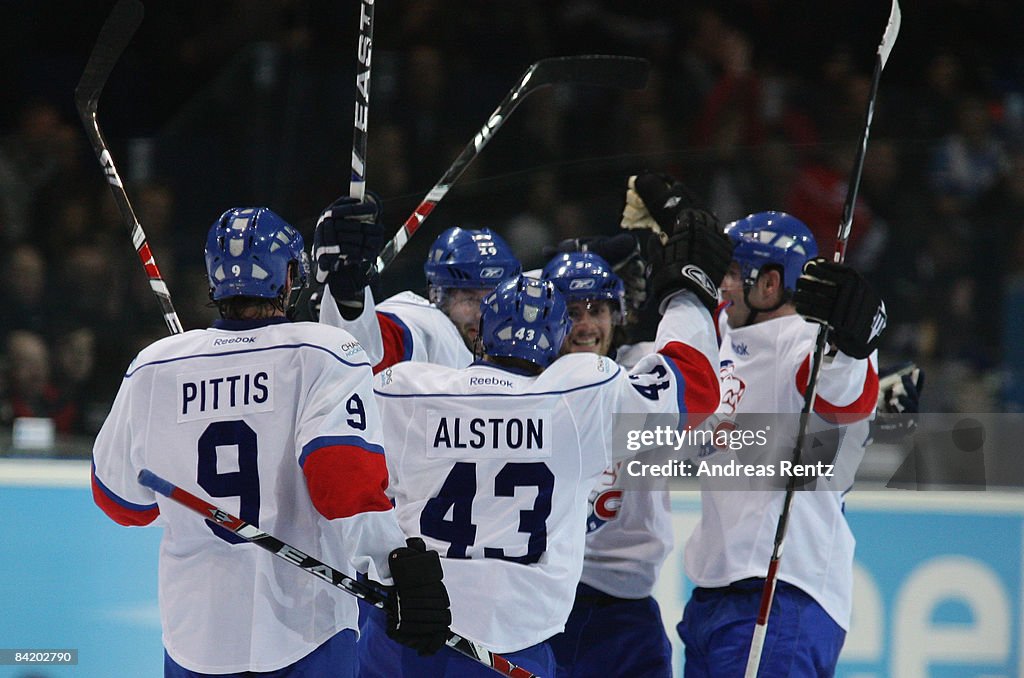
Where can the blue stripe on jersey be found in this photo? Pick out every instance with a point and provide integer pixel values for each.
(331, 441)
(132, 372)
(680, 390)
(124, 503)
(406, 334)
(618, 370)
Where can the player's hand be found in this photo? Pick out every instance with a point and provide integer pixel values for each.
(622, 252)
(418, 614)
(653, 201)
(838, 296)
(347, 240)
(901, 395)
(695, 256)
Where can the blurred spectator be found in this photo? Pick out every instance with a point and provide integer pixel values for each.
(969, 161)
(76, 381)
(30, 390)
(25, 278)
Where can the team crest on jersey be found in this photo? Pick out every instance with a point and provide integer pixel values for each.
(605, 500)
(731, 385)
(604, 507)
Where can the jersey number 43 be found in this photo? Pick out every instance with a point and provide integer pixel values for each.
(455, 499)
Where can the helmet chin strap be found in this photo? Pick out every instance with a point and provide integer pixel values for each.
(754, 310)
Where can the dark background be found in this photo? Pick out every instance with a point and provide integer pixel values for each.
(756, 105)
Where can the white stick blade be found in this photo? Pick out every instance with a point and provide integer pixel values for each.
(892, 29)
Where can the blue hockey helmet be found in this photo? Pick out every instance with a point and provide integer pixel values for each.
(524, 318)
(584, 276)
(771, 238)
(469, 258)
(248, 252)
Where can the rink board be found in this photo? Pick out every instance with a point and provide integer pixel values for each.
(938, 580)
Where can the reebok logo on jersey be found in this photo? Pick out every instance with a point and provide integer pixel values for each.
(740, 349)
(234, 340)
(698, 276)
(490, 381)
(878, 323)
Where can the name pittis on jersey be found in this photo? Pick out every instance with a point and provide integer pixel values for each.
(462, 435)
(206, 394)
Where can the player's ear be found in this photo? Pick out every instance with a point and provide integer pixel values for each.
(770, 281)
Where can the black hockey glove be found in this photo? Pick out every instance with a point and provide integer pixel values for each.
(347, 240)
(899, 392)
(418, 614)
(838, 296)
(695, 257)
(622, 252)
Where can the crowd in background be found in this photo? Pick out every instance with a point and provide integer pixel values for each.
(756, 105)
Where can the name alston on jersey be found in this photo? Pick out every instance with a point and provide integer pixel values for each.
(206, 394)
(455, 435)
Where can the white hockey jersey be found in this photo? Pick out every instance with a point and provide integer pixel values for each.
(275, 423)
(629, 532)
(493, 468)
(764, 369)
(403, 327)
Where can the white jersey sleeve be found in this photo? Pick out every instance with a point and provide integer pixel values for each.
(275, 424)
(403, 327)
(680, 376)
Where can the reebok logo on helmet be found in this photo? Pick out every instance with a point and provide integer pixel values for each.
(492, 273)
(582, 284)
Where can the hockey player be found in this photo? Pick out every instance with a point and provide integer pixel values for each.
(615, 621)
(493, 464)
(767, 325)
(462, 267)
(277, 422)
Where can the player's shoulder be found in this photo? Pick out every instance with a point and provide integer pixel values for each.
(169, 348)
(577, 371)
(415, 378)
(405, 300)
(629, 355)
(334, 341)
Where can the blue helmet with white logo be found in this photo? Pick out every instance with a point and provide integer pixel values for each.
(468, 258)
(248, 253)
(524, 318)
(771, 238)
(584, 276)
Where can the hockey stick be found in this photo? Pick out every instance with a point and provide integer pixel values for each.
(115, 35)
(364, 48)
(598, 70)
(892, 29)
(371, 592)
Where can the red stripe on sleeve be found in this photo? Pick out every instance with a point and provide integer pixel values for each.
(394, 338)
(701, 391)
(119, 510)
(842, 414)
(345, 480)
(716, 318)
